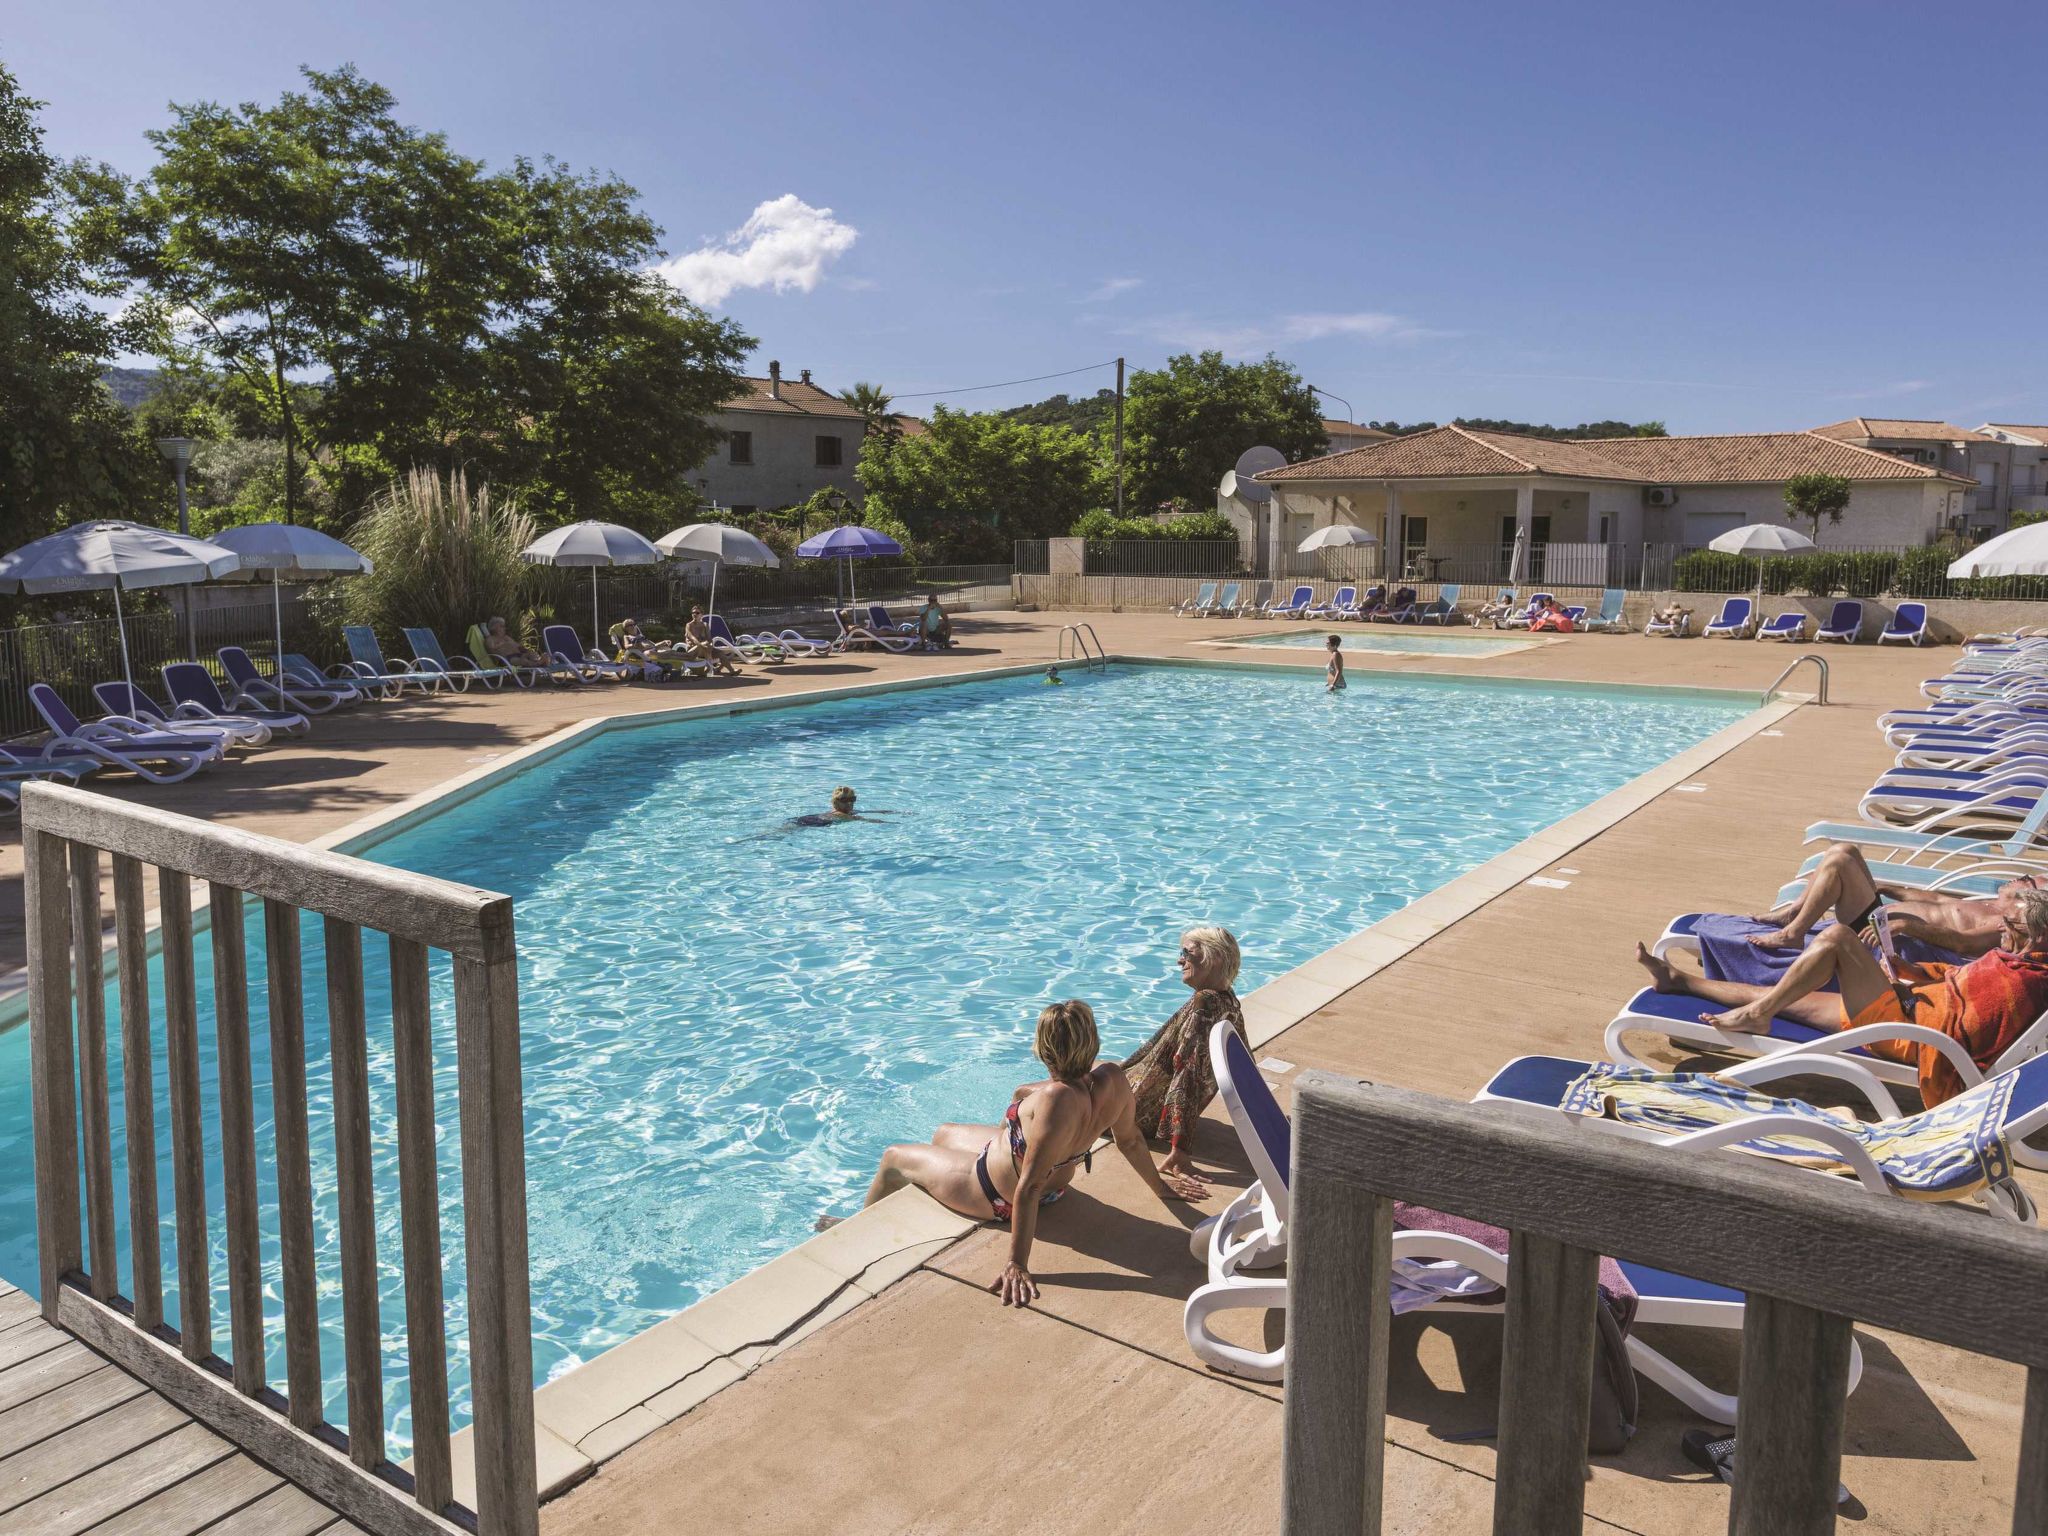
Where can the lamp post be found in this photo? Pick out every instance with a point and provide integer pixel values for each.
(178, 450)
(1350, 415)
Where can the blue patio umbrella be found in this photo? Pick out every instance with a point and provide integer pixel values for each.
(848, 542)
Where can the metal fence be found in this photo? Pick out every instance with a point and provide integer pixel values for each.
(1877, 570)
(74, 655)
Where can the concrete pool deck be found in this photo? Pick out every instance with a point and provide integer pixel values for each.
(908, 1412)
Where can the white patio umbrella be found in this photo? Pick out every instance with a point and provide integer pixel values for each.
(721, 544)
(2016, 552)
(1520, 557)
(592, 544)
(110, 556)
(286, 548)
(1336, 536)
(1761, 540)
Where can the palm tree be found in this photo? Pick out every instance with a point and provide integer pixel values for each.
(873, 403)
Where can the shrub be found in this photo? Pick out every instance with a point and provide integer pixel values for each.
(446, 556)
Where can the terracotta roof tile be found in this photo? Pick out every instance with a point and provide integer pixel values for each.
(1732, 458)
(2038, 434)
(798, 399)
(1899, 430)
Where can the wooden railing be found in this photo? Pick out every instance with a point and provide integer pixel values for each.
(1810, 1252)
(65, 832)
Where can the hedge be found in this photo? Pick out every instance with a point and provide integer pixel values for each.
(1852, 573)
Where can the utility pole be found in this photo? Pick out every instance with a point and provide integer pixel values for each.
(1119, 437)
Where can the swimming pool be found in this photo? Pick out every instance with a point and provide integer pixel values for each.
(1400, 641)
(724, 1023)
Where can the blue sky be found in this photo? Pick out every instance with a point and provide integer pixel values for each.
(1732, 217)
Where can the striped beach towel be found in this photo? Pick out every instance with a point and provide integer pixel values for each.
(1944, 1153)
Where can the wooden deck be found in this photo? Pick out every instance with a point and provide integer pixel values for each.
(85, 1447)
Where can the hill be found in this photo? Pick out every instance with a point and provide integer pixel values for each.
(1084, 413)
(131, 386)
(1534, 429)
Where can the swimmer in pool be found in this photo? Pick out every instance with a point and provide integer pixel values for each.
(842, 810)
(1335, 671)
(1053, 678)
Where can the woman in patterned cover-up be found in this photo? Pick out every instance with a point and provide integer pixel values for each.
(1171, 1075)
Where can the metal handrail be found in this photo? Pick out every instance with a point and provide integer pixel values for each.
(1083, 634)
(1797, 662)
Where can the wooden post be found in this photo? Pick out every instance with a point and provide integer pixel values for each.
(138, 1094)
(2030, 1498)
(1546, 1383)
(294, 1164)
(51, 1081)
(355, 1188)
(419, 1212)
(188, 1133)
(1788, 1446)
(237, 1137)
(494, 1219)
(90, 989)
(1340, 1252)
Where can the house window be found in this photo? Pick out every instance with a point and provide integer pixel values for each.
(742, 444)
(828, 452)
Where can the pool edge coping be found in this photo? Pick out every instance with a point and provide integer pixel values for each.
(598, 1409)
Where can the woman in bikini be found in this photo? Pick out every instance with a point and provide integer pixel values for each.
(1006, 1172)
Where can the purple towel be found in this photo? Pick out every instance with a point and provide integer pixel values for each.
(1420, 1218)
(1727, 955)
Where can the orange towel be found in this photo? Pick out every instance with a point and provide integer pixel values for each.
(1984, 1006)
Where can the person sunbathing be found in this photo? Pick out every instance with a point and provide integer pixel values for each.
(501, 644)
(1550, 619)
(1494, 612)
(1984, 1004)
(1006, 1172)
(1842, 883)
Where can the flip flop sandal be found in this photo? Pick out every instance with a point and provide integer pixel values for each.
(1715, 1453)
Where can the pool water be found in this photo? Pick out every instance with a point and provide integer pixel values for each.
(725, 1020)
(1401, 641)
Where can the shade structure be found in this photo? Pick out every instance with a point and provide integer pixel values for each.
(110, 557)
(719, 543)
(593, 544)
(848, 542)
(278, 550)
(1761, 540)
(1518, 560)
(2016, 552)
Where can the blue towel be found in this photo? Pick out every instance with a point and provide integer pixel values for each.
(1727, 955)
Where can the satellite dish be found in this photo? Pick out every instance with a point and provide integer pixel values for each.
(1256, 461)
(1239, 487)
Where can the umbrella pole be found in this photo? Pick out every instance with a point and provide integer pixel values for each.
(121, 627)
(277, 618)
(596, 634)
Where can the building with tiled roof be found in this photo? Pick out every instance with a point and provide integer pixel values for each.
(785, 440)
(1349, 434)
(1434, 495)
(1870, 430)
(2023, 469)
(1980, 456)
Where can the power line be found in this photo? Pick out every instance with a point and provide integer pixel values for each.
(926, 394)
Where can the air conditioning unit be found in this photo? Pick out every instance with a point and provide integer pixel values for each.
(1661, 496)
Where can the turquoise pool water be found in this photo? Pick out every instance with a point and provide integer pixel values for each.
(725, 1022)
(1407, 640)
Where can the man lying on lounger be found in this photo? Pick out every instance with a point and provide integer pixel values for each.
(1984, 1005)
(1842, 883)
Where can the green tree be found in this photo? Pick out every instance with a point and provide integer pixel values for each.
(1813, 497)
(877, 412)
(604, 377)
(1020, 482)
(65, 446)
(1186, 423)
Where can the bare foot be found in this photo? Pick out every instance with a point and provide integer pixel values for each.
(1782, 938)
(1740, 1021)
(1663, 974)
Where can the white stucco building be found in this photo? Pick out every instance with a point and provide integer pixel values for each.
(2026, 470)
(1455, 494)
(1979, 455)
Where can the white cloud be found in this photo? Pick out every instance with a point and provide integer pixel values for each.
(785, 244)
(1281, 330)
(1110, 288)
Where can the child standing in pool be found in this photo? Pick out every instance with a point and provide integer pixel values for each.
(1335, 671)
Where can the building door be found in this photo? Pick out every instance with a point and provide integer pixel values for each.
(1414, 541)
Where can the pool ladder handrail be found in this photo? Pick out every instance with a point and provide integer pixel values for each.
(1084, 635)
(1797, 662)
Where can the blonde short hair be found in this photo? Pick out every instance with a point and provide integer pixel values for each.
(842, 797)
(1067, 1042)
(2030, 910)
(1216, 950)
